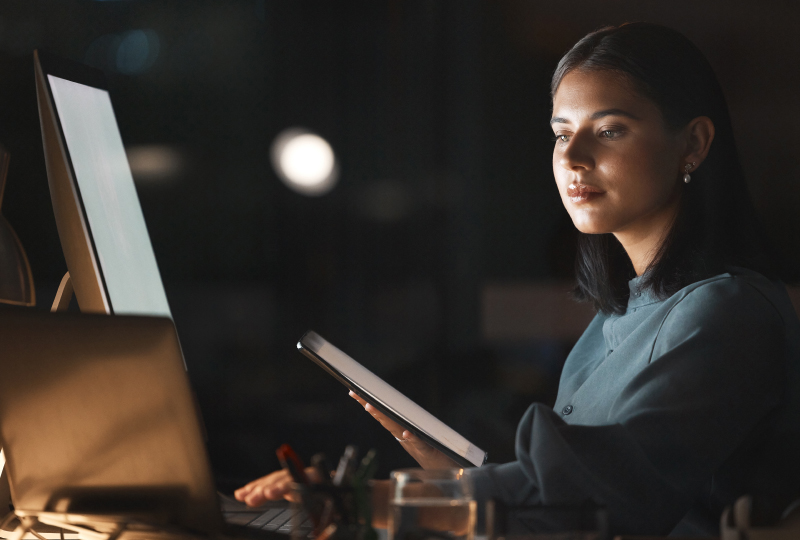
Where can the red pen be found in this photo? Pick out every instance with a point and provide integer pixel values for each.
(290, 462)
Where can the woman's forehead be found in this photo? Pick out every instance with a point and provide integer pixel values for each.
(583, 93)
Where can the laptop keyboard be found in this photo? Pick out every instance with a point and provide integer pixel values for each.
(274, 516)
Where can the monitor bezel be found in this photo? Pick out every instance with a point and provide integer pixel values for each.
(87, 296)
(71, 70)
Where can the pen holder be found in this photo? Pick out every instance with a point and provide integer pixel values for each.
(325, 512)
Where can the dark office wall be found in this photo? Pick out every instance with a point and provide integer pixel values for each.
(438, 114)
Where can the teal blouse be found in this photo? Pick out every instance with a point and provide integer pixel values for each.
(669, 412)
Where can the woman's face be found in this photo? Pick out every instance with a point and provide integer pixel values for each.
(617, 166)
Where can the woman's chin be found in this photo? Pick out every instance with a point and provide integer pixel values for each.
(590, 220)
(590, 227)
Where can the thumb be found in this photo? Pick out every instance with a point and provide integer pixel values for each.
(416, 443)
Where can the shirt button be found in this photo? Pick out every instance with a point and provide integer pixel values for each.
(567, 409)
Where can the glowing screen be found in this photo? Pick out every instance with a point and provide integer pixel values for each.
(109, 198)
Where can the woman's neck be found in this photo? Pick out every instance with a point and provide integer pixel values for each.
(643, 239)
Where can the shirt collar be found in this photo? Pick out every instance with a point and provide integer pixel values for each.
(638, 296)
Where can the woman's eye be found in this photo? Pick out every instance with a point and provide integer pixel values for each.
(561, 138)
(609, 134)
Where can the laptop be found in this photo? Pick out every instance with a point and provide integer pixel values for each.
(98, 422)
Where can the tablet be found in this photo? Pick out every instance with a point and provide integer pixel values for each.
(390, 401)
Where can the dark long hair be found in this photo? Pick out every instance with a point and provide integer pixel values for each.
(716, 225)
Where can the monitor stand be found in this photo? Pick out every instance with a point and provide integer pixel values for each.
(64, 294)
(5, 491)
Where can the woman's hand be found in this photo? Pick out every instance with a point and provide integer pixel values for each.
(427, 456)
(275, 485)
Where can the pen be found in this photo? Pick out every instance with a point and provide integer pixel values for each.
(364, 512)
(368, 466)
(320, 464)
(329, 531)
(345, 467)
(291, 463)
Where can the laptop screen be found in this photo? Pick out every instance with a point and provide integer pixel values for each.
(97, 411)
(109, 198)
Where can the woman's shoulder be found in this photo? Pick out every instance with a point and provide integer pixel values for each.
(739, 294)
(739, 317)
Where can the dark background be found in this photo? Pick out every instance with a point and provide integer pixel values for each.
(442, 259)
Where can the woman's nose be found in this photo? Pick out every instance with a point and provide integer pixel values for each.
(577, 153)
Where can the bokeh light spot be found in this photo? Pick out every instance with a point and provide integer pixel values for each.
(153, 163)
(137, 51)
(304, 161)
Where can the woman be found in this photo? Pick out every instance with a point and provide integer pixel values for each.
(681, 395)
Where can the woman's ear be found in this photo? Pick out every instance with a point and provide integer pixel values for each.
(699, 135)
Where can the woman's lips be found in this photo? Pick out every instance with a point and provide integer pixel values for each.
(579, 193)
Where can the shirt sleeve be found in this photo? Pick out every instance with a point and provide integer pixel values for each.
(714, 374)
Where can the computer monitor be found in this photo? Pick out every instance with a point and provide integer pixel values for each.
(100, 223)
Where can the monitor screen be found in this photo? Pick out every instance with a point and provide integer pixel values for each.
(110, 203)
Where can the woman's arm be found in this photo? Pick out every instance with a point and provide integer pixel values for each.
(715, 374)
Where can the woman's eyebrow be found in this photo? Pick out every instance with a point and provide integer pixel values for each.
(613, 112)
(597, 116)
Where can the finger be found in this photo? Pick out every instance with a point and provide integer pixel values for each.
(241, 493)
(364, 403)
(255, 498)
(423, 448)
(425, 454)
(412, 442)
(259, 482)
(267, 492)
(357, 398)
(271, 486)
(313, 475)
(249, 486)
(275, 486)
(409, 437)
(394, 428)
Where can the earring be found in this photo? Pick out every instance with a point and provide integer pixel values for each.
(686, 177)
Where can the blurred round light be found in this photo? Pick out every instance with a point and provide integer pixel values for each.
(132, 53)
(305, 162)
(137, 51)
